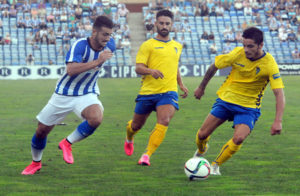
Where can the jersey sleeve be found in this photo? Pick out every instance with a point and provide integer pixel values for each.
(143, 53)
(226, 60)
(274, 76)
(76, 52)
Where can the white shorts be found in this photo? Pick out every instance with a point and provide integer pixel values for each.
(59, 106)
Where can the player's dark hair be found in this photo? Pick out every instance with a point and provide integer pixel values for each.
(255, 34)
(103, 21)
(167, 13)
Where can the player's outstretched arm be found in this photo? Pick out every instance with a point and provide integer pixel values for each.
(280, 103)
(142, 69)
(77, 68)
(181, 85)
(199, 91)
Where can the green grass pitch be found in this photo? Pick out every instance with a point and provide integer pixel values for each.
(266, 165)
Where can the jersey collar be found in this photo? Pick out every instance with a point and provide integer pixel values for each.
(162, 40)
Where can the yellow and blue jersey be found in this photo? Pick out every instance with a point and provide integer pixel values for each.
(163, 56)
(247, 81)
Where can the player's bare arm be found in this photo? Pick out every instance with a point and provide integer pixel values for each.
(199, 91)
(142, 69)
(181, 85)
(77, 68)
(280, 103)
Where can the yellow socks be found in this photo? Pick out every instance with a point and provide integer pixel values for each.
(156, 138)
(202, 144)
(129, 132)
(227, 151)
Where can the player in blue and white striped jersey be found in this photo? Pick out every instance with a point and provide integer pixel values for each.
(76, 91)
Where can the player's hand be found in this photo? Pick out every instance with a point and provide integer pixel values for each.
(185, 91)
(276, 128)
(156, 74)
(105, 55)
(198, 93)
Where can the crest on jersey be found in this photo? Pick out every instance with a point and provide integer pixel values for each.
(275, 76)
(176, 50)
(257, 70)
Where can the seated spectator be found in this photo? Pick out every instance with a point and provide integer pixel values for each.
(42, 9)
(238, 5)
(30, 38)
(292, 36)
(78, 12)
(210, 4)
(125, 43)
(5, 13)
(30, 60)
(44, 39)
(213, 12)
(219, 9)
(244, 25)
(213, 48)
(37, 37)
(248, 10)
(255, 10)
(211, 37)
(86, 6)
(296, 53)
(107, 11)
(36, 22)
(56, 12)
(63, 17)
(34, 12)
(51, 37)
(197, 11)
(272, 23)
(123, 11)
(126, 31)
(204, 38)
(50, 62)
(257, 20)
(182, 41)
(7, 39)
(88, 26)
(230, 37)
(226, 31)
(227, 48)
(59, 33)
(185, 26)
(149, 25)
(26, 7)
(12, 11)
(282, 35)
(51, 17)
(21, 22)
(227, 5)
(204, 10)
(239, 37)
(1, 23)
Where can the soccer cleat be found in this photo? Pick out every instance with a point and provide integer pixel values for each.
(215, 169)
(128, 148)
(144, 160)
(66, 147)
(32, 168)
(198, 154)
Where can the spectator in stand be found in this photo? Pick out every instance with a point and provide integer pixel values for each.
(37, 37)
(20, 22)
(239, 37)
(213, 48)
(5, 13)
(296, 53)
(204, 10)
(30, 60)
(107, 10)
(86, 6)
(149, 25)
(80, 31)
(1, 23)
(238, 5)
(7, 39)
(51, 37)
(34, 12)
(1, 40)
(185, 26)
(175, 9)
(43, 23)
(213, 12)
(63, 17)
(126, 31)
(56, 12)
(197, 11)
(211, 37)
(272, 23)
(183, 41)
(59, 33)
(219, 9)
(35, 23)
(125, 43)
(292, 36)
(227, 4)
(78, 13)
(42, 9)
(244, 25)
(230, 37)
(248, 10)
(88, 26)
(227, 48)
(226, 31)
(26, 7)
(282, 35)
(28, 22)
(257, 20)
(12, 11)
(255, 10)
(44, 39)
(51, 17)
(204, 38)
(123, 11)
(210, 4)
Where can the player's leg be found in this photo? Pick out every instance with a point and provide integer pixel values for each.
(164, 115)
(133, 126)
(38, 143)
(209, 125)
(90, 109)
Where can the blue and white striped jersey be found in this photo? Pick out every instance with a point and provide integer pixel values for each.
(85, 82)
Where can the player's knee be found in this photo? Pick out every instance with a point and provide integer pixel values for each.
(95, 121)
(136, 126)
(238, 139)
(164, 121)
(202, 134)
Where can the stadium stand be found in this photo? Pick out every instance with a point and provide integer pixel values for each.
(47, 30)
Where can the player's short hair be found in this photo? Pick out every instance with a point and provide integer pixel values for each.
(255, 34)
(103, 21)
(167, 13)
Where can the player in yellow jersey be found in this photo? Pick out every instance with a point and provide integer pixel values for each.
(240, 96)
(157, 62)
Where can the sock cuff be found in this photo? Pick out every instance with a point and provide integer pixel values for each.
(129, 125)
(38, 143)
(161, 127)
(85, 129)
(233, 146)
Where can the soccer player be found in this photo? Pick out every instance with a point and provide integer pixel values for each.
(239, 97)
(157, 62)
(76, 91)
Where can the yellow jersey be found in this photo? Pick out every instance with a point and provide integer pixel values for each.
(163, 56)
(247, 81)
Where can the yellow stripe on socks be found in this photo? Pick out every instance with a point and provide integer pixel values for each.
(156, 138)
(227, 151)
(129, 132)
(202, 144)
